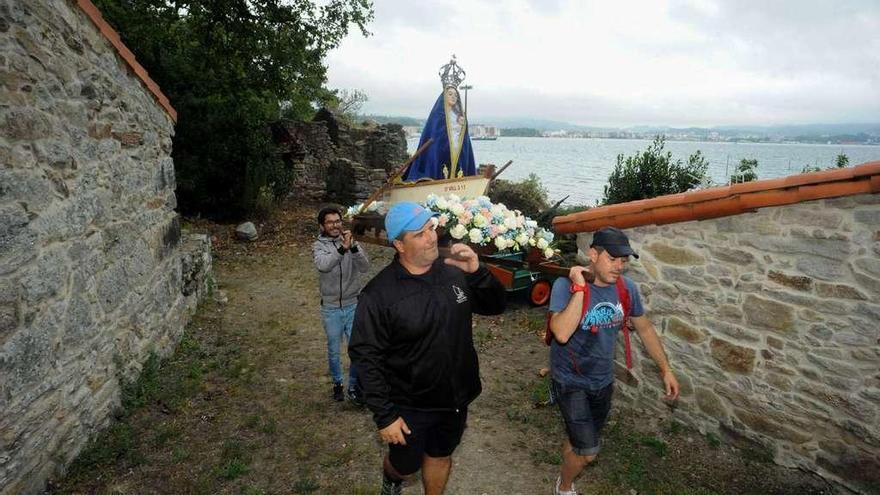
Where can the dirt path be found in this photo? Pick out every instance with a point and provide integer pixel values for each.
(243, 408)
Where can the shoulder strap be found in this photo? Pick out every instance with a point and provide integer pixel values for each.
(626, 304)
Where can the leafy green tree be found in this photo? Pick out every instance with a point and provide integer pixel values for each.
(842, 161)
(230, 67)
(528, 195)
(653, 173)
(746, 171)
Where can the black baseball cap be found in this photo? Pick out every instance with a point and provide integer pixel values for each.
(614, 241)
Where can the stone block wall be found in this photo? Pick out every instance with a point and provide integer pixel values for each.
(346, 170)
(94, 271)
(772, 323)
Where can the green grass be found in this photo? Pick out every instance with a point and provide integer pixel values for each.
(542, 456)
(658, 446)
(713, 440)
(540, 393)
(305, 485)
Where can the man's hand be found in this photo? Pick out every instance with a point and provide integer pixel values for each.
(346, 239)
(671, 384)
(463, 257)
(580, 275)
(394, 432)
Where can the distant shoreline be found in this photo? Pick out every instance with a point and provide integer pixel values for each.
(693, 140)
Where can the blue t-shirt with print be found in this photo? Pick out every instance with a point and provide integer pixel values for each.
(587, 359)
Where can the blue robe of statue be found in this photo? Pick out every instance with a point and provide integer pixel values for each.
(451, 145)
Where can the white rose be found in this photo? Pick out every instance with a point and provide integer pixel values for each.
(458, 231)
(501, 243)
(476, 236)
(549, 252)
(442, 203)
(542, 244)
(497, 210)
(480, 221)
(522, 239)
(501, 229)
(510, 222)
(457, 209)
(531, 241)
(511, 243)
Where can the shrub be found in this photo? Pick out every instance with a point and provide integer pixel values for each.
(653, 173)
(745, 171)
(528, 196)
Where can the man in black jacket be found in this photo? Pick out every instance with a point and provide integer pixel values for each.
(413, 347)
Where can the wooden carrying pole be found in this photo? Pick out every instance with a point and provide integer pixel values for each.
(496, 174)
(397, 173)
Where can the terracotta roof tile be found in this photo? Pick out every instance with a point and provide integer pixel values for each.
(112, 36)
(727, 200)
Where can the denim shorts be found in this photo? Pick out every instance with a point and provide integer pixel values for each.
(584, 412)
(435, 434)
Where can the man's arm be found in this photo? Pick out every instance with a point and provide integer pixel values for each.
(565, 323)
(326, 258)
(649, 337)
(359, 256)
(367, 349)
(489, 295)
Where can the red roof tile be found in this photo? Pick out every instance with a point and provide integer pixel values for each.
(113, 37)
(727, 200)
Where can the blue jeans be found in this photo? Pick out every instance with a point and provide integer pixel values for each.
(585, 413)
(337, 323)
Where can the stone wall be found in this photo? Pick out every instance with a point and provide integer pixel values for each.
(772, 323)
(94, 271)
(335, 163)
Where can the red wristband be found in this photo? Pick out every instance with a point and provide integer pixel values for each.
(577, 288)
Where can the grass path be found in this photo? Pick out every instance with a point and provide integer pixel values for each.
(243, 407)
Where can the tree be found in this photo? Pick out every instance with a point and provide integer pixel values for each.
(528, 195)
(653, 173)
(347, 103)
(228, 67)
(842, 161)
(745, 171)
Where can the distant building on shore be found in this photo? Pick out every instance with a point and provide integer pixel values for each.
(483, 132)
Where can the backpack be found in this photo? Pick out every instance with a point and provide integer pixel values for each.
(625, 302)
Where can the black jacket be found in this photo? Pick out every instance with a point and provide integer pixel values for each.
(412, 341)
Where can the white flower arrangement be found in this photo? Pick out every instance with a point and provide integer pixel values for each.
(482, 223)
(374, 207)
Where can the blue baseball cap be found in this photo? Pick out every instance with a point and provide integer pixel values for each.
(406, 217)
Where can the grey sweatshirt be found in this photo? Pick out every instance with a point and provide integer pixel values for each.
(339, 274)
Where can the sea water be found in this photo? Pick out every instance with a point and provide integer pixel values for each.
(580, 168)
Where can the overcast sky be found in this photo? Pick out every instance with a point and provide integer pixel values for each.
(677, 62)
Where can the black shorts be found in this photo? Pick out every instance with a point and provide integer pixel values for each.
(584, 412)
(435, 434)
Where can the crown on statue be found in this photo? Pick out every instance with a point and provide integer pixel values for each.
(451, 74)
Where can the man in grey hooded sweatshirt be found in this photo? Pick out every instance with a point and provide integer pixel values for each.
(340, 262)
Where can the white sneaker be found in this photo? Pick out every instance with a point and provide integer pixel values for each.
(557, 491)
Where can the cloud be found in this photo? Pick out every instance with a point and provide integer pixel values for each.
(678, 63)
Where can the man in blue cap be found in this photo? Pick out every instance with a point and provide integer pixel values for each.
(413, 347)
(585, 321)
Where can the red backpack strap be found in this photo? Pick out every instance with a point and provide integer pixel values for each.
(626, 303)
(548, 334)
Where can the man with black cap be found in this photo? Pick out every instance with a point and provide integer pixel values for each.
(585, 320)
(413, 347)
